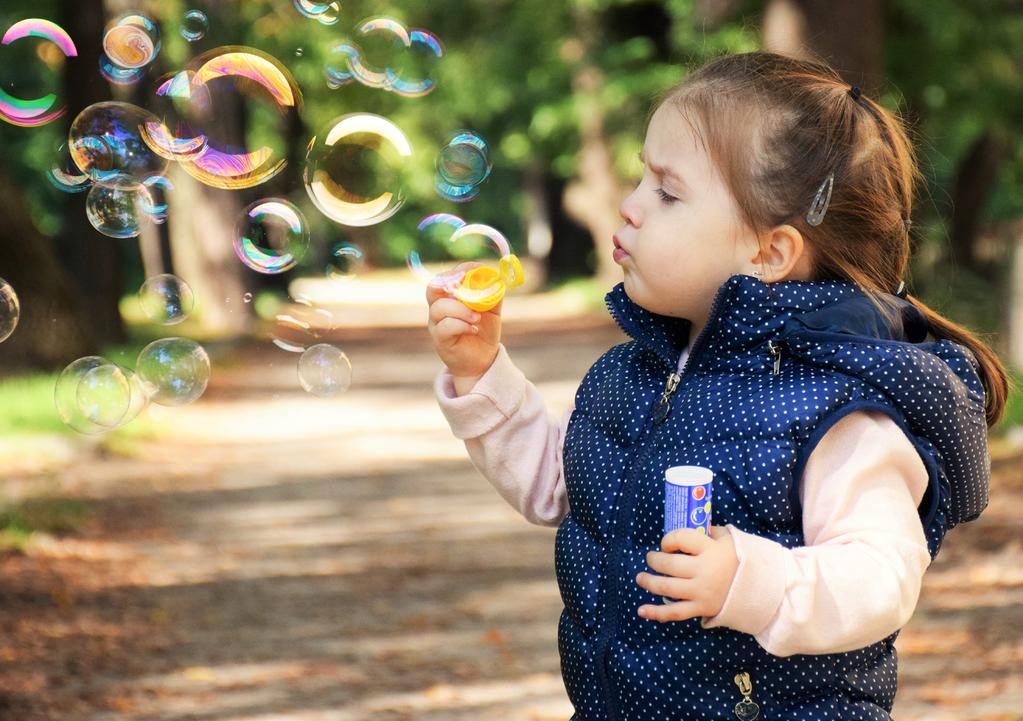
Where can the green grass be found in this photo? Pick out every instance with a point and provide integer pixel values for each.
(55, 516)
(27, 400)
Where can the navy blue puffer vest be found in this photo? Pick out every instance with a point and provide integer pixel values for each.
(775, 366)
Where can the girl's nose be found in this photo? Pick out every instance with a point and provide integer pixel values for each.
(629, 210)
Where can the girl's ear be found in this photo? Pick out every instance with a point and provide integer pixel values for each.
(783, 255)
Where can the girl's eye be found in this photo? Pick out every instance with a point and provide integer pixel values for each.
(665, 197)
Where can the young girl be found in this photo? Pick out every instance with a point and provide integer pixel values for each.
(763, 255)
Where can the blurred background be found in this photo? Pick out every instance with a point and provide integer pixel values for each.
(265, 552)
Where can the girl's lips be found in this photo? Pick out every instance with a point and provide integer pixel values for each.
(619, 252)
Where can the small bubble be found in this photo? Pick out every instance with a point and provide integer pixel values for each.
(247, 297)
(299, 52)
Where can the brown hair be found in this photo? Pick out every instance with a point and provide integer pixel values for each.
(798, 122)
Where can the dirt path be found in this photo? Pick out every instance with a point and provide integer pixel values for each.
(283, 557)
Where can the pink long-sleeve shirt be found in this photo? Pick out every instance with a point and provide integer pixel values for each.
(855, 581)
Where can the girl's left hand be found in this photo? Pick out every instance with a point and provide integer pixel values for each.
(699, 578)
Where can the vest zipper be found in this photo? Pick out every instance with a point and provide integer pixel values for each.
(774, 350)
(663, 407)
(618, 526)
(745, 710)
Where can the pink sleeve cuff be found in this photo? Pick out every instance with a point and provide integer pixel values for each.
(758, 587)
(496, 396)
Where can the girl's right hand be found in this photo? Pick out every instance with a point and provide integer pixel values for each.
(466, 341)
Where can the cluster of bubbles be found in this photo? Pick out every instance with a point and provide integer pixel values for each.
(94, 395)
(327, 13)
(349, 64)
(10, 310)
(355, 175)
(32, 112)
(121, 172)
(130, 43)
(463, 165)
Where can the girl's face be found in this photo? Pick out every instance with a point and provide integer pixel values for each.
(683, 236)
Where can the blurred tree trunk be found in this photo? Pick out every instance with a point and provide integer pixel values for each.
(848, 35)
(201, 221)
(51, 331)
(1014, 324)
(593, 196)
(92, 261)
(975, 180)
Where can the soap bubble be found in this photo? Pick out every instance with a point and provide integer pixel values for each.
(354, 169)
(462, 166)
(271, 236)
(117, 213)
(65, 176)
(154, 204)
(465, 242)
(37, 111)
(324, 371)
(346, 261)
(331, 15)
(106, 143)
(131, 41)
(166, 299)
(104, 395)
(93, 395)
(247, 298)
(174, 371)
(408, 49)
(194, 25)
(10, 310)
(219, 78)
(117, 75)
(327, 13)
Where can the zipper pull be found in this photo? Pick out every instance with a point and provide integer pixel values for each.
(663, 407)
(745, 710)
(775, 350)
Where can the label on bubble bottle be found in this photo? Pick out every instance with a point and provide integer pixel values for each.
(687, 500)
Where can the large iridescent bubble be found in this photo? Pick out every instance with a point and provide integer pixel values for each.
(32, 112)
(354, 169)
(207, 92)
(106, 144)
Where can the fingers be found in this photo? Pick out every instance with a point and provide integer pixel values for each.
(671, 564)
(689, 540)
(666, 585)
(451, 308)
(433, 292)
(677, 611)
(449, 328)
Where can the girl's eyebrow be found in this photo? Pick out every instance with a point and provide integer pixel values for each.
(664, 171)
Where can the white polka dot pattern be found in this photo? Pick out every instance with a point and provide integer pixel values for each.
(754, 428)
